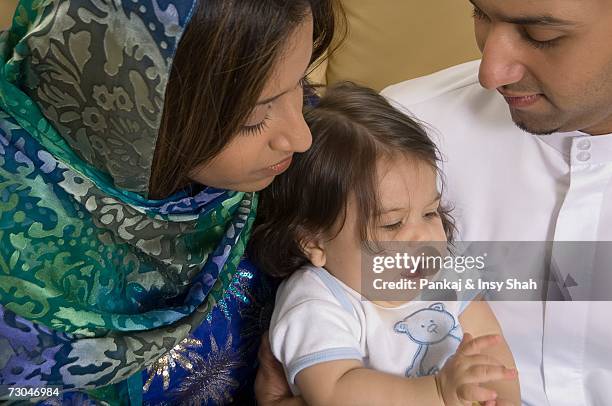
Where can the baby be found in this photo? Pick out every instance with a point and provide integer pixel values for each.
(370, 176)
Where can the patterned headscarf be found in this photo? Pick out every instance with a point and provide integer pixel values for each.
(97, 281)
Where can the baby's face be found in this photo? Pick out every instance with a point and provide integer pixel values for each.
(409, 202)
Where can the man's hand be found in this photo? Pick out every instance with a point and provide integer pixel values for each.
(271, 387)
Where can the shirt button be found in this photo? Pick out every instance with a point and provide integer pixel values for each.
(583, 156)
(584, 145)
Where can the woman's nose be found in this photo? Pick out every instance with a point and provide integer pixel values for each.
(293, 134)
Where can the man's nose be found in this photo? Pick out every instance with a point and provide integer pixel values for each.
(500, 65)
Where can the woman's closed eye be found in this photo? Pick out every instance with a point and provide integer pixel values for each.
(264, 110)
(259, 117)
(255, 129)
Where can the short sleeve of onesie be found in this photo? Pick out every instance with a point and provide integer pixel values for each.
(310, 325)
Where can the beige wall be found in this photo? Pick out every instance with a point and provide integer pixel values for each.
(7, 7)
(394, 40)
(389, 40)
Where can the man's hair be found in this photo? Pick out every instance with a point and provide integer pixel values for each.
(223, 61)
(352, 127)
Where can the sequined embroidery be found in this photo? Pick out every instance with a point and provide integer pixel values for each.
(181, 354)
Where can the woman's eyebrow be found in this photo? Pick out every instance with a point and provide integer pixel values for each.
(271, 99)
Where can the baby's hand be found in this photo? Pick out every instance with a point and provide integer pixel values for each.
(460, 378)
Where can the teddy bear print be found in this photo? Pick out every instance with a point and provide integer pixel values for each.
(435, 331)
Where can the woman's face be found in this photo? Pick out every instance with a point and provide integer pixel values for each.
(275, 129)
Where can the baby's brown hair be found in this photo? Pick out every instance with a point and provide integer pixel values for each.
(352, 127)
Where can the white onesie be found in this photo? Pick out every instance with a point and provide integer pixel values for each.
(317, 318)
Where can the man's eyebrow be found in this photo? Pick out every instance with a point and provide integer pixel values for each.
(544, 19)
(271, 99)
(539, 20)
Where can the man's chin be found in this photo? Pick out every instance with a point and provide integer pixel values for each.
(535, 126)
(535, 130)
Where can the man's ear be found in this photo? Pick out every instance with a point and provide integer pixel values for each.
(315, 251)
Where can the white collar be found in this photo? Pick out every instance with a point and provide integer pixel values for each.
(600, 146)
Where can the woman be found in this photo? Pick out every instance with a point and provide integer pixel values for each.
(133, 136)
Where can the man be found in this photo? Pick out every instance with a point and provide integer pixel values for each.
(546, 69)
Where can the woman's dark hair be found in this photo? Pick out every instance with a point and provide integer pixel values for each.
(223, 61)
(351, 127)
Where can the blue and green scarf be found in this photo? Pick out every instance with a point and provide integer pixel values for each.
(103, 280)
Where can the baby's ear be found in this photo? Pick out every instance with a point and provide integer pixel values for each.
(315, 251)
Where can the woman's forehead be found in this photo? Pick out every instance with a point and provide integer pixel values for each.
(292, 63)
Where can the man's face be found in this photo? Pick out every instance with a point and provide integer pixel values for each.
(550, 59)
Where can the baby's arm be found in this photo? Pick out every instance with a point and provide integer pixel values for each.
(316, 336)
(317, 340)
(478, 320)
(347, 382)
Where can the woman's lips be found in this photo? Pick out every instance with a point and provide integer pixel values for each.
(522, 101)
(279, 167)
